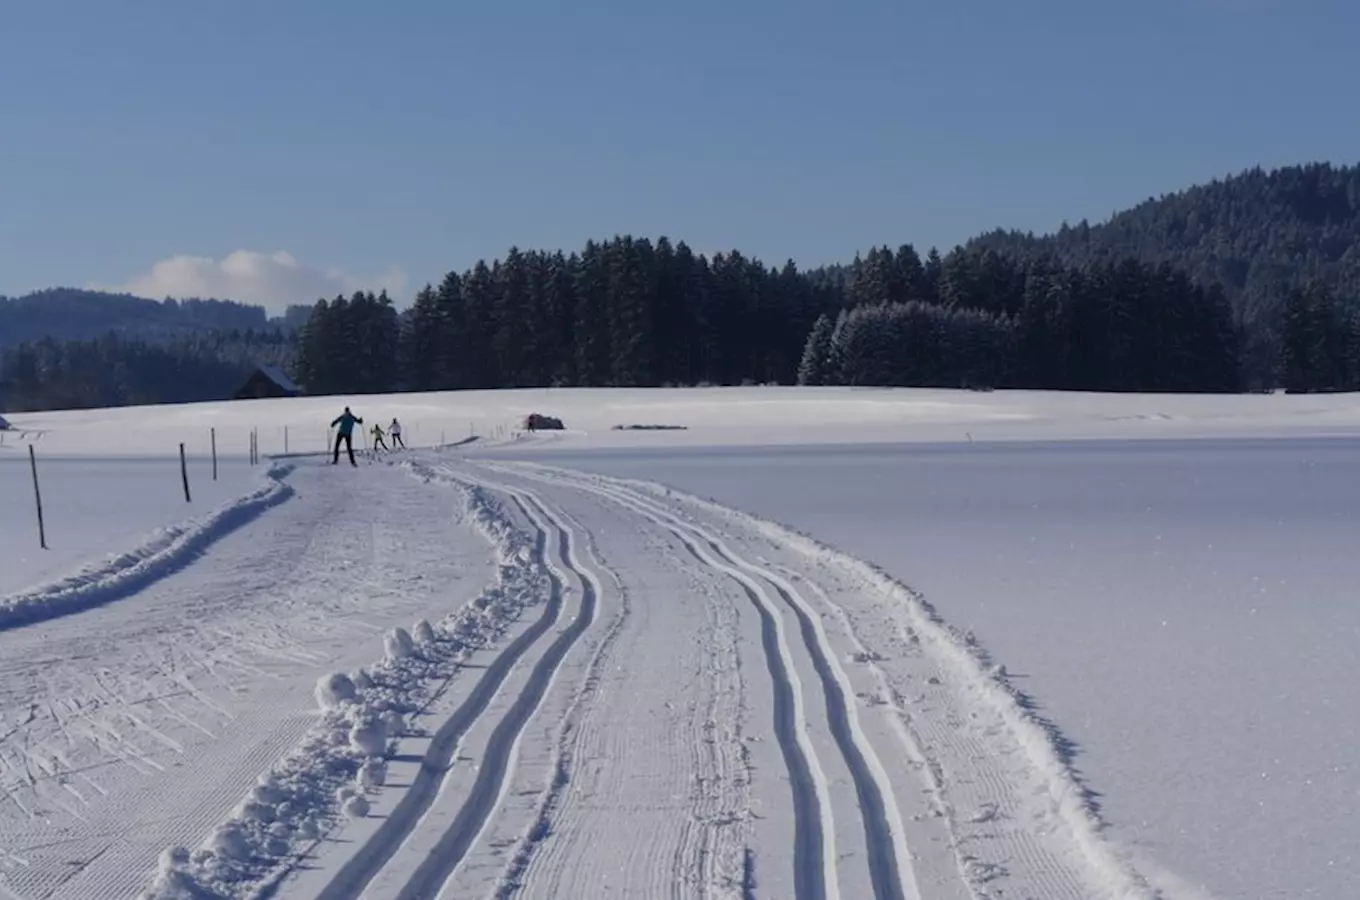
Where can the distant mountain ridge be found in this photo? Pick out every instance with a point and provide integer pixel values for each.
(67, 314)
(1260, 234)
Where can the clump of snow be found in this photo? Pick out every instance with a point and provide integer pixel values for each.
(397, 645)
(373, 773)
(255, 811)
(369, 737)
(424, 632)
(325, 778)
(335, 690)
(268, 790)
(230, 841)
(356, 807)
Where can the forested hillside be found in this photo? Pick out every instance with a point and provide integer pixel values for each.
(65, 314)
(1260, 234)
(118, 371)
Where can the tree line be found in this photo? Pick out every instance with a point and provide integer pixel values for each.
(628, 312)
(631, 312)
(1320, 343)
(999, 322)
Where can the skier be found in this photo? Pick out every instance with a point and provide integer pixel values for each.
(395, 430)
(378, 437)
(346, 421)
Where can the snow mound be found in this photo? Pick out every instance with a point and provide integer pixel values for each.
(167, 551)
(369, 737)
(356, 806)
(335, 690)
(397, 645)
(324, 780)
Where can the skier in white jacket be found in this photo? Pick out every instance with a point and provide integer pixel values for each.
(395, 432)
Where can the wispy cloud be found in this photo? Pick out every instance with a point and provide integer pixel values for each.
(271, 280)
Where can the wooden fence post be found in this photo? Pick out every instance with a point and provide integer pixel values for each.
(214, 453)
(37, 495)
(184, 473)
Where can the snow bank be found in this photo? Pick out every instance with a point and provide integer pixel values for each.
(167, 551)
(327, 777)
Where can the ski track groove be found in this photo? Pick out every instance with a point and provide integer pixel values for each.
(815, 857)
(427, 881)
(516, 877)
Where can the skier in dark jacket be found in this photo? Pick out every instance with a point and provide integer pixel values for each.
(346, 420)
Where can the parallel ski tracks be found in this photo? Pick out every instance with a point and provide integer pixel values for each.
(444, 857)
(889, 863)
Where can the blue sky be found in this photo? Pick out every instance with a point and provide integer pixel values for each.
(370, 143)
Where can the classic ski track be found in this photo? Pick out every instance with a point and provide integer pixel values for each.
(814, 824)
(956, 719)
(352, 879)
(929, 772)
(890, 864)
(703, 849)
(442, 861)
(517, 877)
(891, 871)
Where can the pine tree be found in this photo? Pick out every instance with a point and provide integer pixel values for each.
(817, 353)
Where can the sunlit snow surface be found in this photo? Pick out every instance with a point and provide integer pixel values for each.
(1182, 609)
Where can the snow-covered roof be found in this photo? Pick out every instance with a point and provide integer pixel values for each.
(275, 374)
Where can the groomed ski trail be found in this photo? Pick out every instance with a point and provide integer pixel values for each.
(1016, 817)
(638, 783)
(132, 727)
(889, 862)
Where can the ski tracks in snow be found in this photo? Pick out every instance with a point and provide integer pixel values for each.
(986, 806)
(134, 726)
(816, 865)
(656, 697)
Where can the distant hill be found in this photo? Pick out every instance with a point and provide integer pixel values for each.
(66, 314)
(1259, 233)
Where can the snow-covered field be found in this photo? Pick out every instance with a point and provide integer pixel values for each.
(522, 666)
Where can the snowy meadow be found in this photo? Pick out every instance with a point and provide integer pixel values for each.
(1168, 580)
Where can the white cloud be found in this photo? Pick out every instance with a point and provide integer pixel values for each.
(247, 276)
